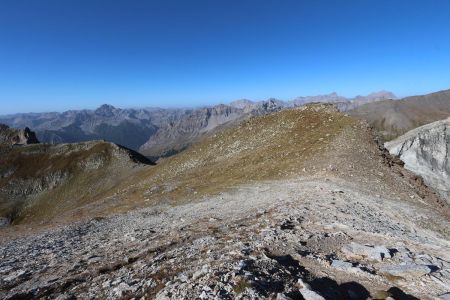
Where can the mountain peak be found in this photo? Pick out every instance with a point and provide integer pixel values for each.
(382, 95)
(105, 110)
(106, 106)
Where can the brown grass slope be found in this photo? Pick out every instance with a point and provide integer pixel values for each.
(315, 140)
(393, 118)
(40, 182)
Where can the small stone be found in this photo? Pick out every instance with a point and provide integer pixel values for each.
(207, 288)
(201, 272)
(15, 275)
(342, 265)
(121, 289)
(106, 284)
(242, 264)
(303, 284)
(310, 295)
(197, 274)
(281, 296)
(203, 295)
(183, 278)
(358, 251)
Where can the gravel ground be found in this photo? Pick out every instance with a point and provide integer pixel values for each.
(265, 240)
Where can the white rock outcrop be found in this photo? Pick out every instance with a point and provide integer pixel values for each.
(425, 151)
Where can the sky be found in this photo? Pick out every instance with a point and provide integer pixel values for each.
(71, 54)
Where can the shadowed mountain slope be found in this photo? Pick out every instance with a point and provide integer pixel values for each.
(42, 181)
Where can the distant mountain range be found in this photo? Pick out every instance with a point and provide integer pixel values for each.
(393, 118)
(128, 127)
(159, 132)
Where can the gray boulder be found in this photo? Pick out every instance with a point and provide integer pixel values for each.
(358, 251)
(411, 271)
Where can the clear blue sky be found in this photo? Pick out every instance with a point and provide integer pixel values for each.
(63, 54)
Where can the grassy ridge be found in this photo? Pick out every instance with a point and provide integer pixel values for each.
(40, 182)
(274, 146)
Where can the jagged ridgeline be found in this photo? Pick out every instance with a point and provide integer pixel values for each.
(157, 132)
(41, 181)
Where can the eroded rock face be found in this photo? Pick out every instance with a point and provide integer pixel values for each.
(425, 151)
(11, 136)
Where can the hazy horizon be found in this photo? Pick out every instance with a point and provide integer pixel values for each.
(62, 55)
(168, 106)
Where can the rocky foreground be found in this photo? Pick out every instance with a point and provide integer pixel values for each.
(316, 238)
